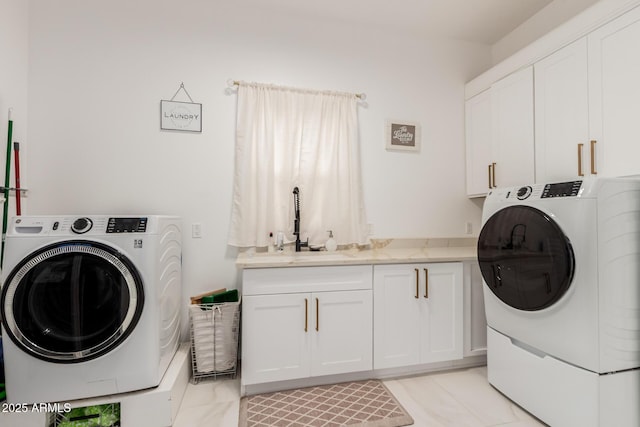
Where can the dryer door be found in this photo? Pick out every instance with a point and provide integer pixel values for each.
(71, 301)
(525, 258)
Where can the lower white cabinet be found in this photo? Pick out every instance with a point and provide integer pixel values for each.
(275, 345)
(306, 321)
(341, 339)
(303, 322)
(475, 320)
(418, 314)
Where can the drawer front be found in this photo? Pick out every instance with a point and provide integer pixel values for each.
(262, 281)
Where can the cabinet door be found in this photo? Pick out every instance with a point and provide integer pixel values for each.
(562, 115)
(614, 95)
(342, 332)
(418, 314)
(396, 300)
(441, 334)
(475, 321)
(478, 143)
(275, 347)
(512, 129)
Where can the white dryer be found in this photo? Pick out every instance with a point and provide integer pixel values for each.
(561, 270)
(90, 304)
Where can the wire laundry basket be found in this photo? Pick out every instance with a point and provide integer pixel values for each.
(214, 339)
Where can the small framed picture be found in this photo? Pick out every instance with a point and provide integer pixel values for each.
(402, 135)
(183, 116)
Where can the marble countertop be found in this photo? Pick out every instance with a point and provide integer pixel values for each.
(380, 251)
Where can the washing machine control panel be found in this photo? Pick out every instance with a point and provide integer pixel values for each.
(127, 225)
(562, 189)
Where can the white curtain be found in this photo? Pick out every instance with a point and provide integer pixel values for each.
(286, 138)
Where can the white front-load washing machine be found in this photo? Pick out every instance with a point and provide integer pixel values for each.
(561, 270)
(90, 304)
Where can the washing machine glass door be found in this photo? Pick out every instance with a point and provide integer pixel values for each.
(72, 301)
(525, 258)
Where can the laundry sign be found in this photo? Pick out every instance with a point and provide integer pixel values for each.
(402, 135)
(186, 116)
(177, 115)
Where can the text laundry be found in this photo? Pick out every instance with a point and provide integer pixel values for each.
(181, 116)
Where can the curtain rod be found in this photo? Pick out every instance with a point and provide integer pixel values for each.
(361, 96)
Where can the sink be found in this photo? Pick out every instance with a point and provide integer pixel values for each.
(325, 255)
(316, 253)
(299, 258)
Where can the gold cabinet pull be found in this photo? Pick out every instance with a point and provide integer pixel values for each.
(317, 314)
(417, 283)
(493, 175)
(593, 157)
(306, 315)
(580, 147)
(489, 167)
(426, 283)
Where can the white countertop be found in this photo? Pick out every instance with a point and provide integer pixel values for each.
(387, 251)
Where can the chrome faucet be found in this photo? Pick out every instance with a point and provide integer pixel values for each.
(296, 221)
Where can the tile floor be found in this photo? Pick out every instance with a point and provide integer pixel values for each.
(461, 398)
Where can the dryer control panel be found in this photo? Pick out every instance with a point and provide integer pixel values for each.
(539, 191)
(561, 189)
(127, 225)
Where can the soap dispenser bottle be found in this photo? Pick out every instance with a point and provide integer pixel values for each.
(331, 244)
(271, 247)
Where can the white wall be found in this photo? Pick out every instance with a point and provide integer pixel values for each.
(14, 42)
(98, 71)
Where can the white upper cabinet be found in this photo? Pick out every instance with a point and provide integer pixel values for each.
(585, 99)
(562, 145)
(614, 95)
(587, 105)
(512, 129)
(478, 142)
(499, 134)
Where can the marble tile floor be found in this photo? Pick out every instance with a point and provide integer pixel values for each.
(460, 398)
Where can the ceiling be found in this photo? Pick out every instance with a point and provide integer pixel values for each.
(482, 21)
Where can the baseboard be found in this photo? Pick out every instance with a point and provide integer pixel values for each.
(467, 362)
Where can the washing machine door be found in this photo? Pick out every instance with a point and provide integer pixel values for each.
(72, 301)
(525, 258)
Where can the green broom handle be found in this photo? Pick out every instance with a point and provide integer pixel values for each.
(6, 187)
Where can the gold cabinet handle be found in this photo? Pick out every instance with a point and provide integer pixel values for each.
(317, 314)
(593, 157)
(426, 283)
(489, 176)
(580, 147)
(417, 283)
(306, 315)
(493, 175)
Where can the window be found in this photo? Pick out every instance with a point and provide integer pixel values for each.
(288, 138)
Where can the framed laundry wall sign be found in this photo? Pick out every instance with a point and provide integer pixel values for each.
(177, 115)
(402, 135)
(186, 116)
